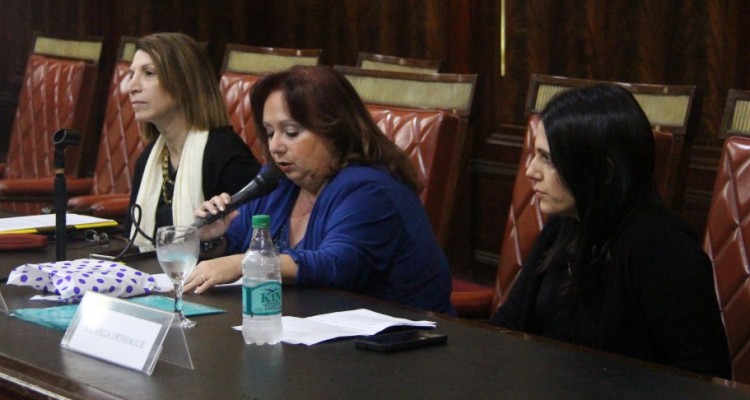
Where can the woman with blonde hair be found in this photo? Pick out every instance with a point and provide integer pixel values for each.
(193, 153)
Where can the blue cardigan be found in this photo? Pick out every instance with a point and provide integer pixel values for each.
(367, 233)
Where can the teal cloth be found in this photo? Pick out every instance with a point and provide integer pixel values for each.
(59, 317)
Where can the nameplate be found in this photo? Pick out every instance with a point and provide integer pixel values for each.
(3, 306)
(118, 331)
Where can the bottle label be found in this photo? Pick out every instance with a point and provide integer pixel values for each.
(262, 300)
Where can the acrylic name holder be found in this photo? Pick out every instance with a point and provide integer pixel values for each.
(3, 306)
(126, 334)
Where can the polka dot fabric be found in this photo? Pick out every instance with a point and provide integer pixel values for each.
(70, 280)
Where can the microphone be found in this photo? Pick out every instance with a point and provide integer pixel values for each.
(261, 185)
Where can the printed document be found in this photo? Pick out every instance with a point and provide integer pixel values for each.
(319, 328)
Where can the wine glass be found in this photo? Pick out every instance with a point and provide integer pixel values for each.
(177, 249)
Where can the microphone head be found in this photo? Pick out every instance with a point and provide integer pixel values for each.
(261, 185)
(269, 180)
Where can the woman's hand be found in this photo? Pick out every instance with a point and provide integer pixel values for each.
(210, 273)
(214, 206)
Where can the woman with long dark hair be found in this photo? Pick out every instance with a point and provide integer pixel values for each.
(613, 268)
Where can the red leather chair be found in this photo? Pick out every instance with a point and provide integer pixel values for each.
(120, 144)
(399, 64)
(245, 65)
(436, 138)
(57, 92)
(727, 230)
(425, 136)
(671, 111)
(428, 118)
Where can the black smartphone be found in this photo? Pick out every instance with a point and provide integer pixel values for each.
(133, 253)
(401, 340)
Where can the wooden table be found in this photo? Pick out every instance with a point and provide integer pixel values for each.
(479, 361)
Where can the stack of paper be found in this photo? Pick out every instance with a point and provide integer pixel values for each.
(323, 327)
(46, 222)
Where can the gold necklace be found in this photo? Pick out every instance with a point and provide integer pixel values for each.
(165, 175)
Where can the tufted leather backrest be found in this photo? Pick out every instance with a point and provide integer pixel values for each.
(241, 68)
(56, 93)
(726, 243)
(428, 138)
(235, 88)
(121, 141)
(450, 93)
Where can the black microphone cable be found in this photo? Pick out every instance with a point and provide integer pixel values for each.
(135, 219)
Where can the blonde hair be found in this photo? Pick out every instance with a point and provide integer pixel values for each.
(186, 74)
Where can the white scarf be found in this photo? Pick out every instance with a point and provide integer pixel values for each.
(188, 186)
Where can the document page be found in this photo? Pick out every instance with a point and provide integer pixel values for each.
(360, 322)
(36, 223)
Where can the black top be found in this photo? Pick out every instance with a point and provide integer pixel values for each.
(228, 165)
(656, 302)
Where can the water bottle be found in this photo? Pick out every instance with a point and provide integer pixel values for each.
(261, 287)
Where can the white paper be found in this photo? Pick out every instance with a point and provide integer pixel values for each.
(235, 283)
(163, 281)
(319, 328)
(12, 224)
(49, 297)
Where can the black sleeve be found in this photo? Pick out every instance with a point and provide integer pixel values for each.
(672, 283)
(517, 312)
(228, 164)
(140, 167)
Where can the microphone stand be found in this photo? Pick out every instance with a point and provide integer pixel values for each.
(61, 204)
(62, 139)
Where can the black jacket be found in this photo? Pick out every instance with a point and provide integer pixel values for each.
(656, 300)
(228, 165)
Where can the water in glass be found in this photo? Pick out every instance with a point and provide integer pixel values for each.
(177, 249)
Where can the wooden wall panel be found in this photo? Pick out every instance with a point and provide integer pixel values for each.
(668, 41)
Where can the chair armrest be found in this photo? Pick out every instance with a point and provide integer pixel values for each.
(85, 202)
(16, 241)
(115, 208)
(44, 186)
(472, 300)
(79, 186)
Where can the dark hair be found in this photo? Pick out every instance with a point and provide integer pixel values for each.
(186, 74)
(602, 146)
(325, 103)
